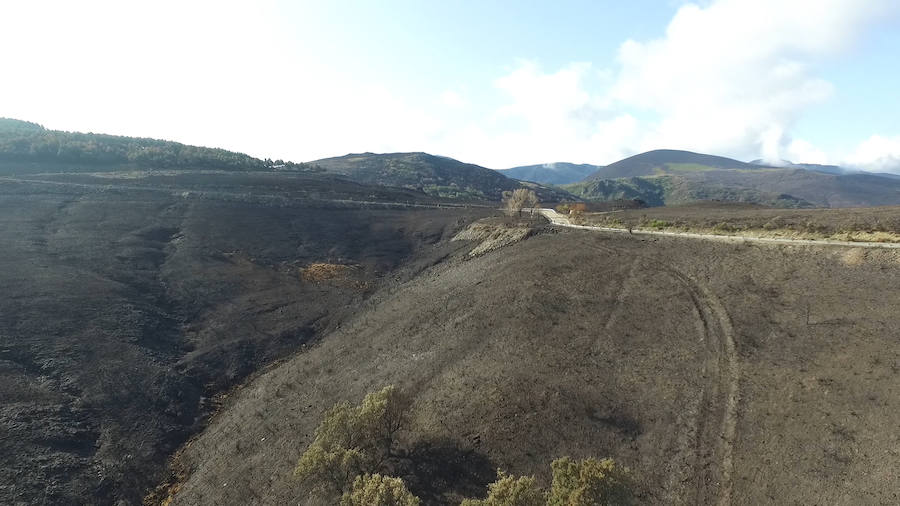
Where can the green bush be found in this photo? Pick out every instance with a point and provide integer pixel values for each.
(510, 491)
(590, 482)
(355, 446)
(378, 490)
(354, 440)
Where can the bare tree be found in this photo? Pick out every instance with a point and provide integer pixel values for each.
(518, 199)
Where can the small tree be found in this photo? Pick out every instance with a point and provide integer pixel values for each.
(518, 199)
(590, 482)
(510, 491)
(352, 441)
(378, 490)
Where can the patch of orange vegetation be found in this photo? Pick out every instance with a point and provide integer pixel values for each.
(317, 272)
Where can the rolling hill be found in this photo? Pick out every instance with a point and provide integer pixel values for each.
(666, 177)
(750, 375)
(434, 175)
(28, 147)
(208, 316)
(131, 299)
(829, 169)
(665, 161)
(552, 173)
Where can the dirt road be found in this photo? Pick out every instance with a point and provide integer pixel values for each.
(563, 221)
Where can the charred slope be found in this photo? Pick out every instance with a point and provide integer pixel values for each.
(758, 374)
(124, 311)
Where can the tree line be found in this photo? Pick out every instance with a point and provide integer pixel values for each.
(22, 141)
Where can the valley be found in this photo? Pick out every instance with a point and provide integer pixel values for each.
(129, 306)
(173, 331)
(748, 376)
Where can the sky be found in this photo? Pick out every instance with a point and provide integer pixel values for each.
(497, 83)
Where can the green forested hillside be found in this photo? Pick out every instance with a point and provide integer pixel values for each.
(670, 190)
(666, 177)
(22, 141)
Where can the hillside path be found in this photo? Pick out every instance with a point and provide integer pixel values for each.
(186, 192)
(712, 437)
(563, 221)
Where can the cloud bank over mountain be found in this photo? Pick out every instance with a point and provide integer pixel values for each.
(730, 77)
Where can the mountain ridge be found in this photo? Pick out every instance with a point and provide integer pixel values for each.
(658, 161)
(551, 173)
(432, 174)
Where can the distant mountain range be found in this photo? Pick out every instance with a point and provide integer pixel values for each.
(665, 177)
(660, 177)
(830, 169)
(552, 173)
(435, 175)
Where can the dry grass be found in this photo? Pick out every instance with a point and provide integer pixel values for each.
(878, 224)
(493, 236)
(318, 272)
(785, 233)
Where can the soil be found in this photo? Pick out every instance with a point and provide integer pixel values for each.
(717, 372)
(216, 319)
(128, 308)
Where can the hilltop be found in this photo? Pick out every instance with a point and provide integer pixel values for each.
(666, 177)
(665, 161)
(434, 175)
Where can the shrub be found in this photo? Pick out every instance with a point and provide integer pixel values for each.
(658, 224)
(378, 490)
(510, 491)
(352, 441)
(723, 226)
(590, 482)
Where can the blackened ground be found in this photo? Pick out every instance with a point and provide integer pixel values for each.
(719, 373)
(124, 312)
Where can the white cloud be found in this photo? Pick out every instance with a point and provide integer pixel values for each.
(453, 99)
(548, 117)
(214, 73)
(734, 77)
(729, 78)
(877, 154)
(801, 151)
